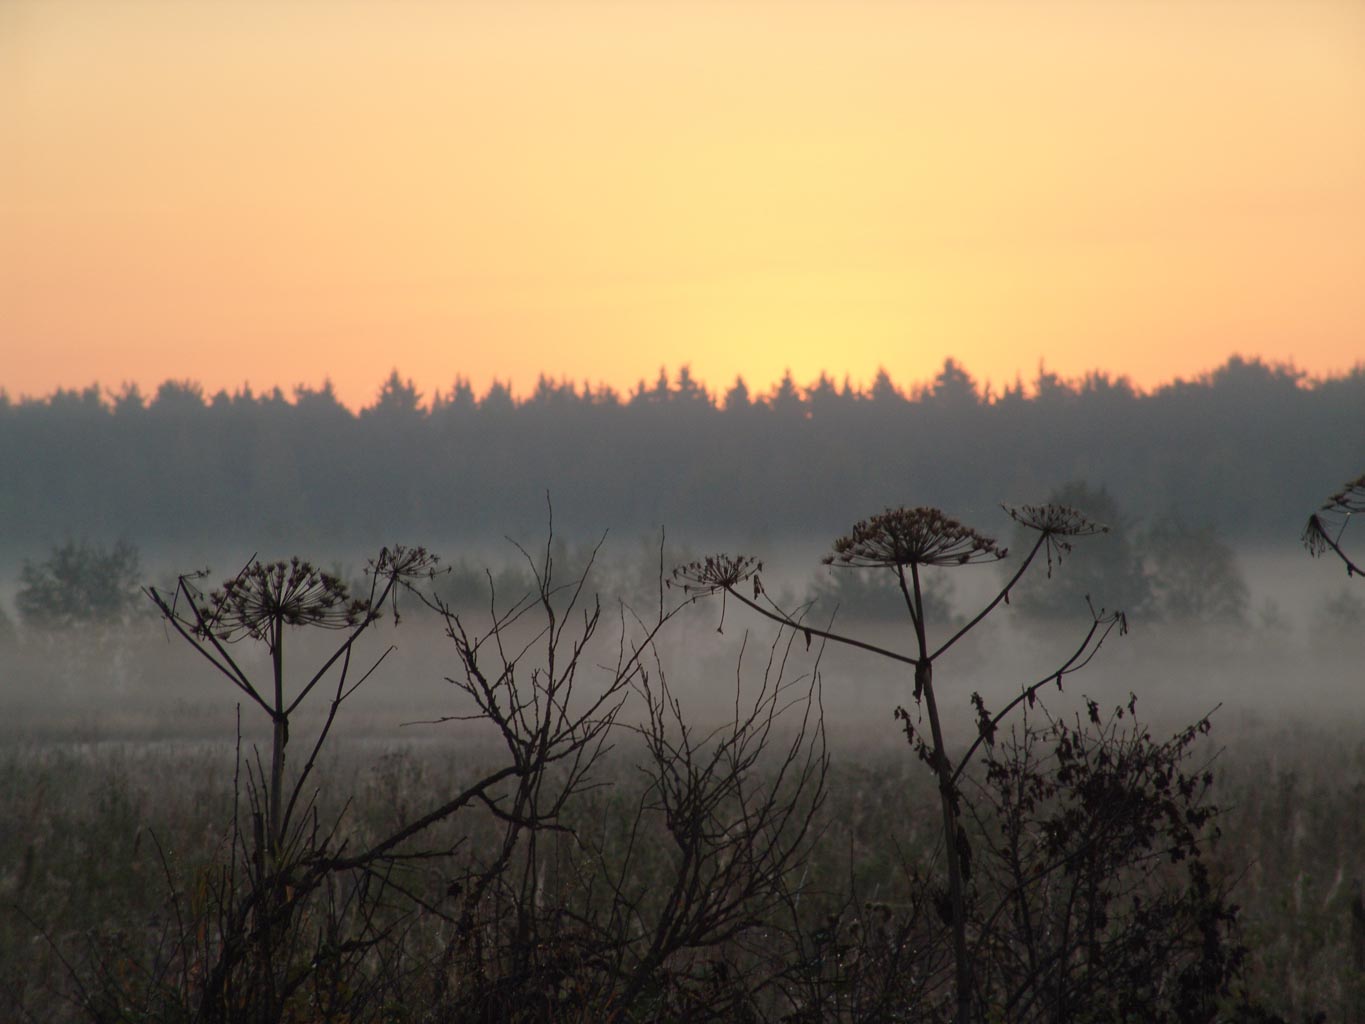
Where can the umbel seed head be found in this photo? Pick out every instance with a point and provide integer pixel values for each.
(717, 572)
(1056, 523)
(1350, 499)
(293, 593)
(913, 536)
(1055, 520)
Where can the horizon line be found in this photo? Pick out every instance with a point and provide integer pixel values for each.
(682, 382)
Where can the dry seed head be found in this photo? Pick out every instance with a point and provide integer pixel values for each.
(717, 572)
(1349, 499)
(1315, 536)
(913, 536)
(1055, 520)
(1336, 513)
(404, 564)
(294, 593)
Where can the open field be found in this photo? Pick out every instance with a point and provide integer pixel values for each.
(96, 834)
(119, 799)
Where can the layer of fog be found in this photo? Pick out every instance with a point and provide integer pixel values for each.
(1289, 664)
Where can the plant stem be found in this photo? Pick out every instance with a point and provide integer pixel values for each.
(279, 739)
(947, 791)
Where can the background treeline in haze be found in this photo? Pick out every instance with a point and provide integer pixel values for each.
(1244, 447)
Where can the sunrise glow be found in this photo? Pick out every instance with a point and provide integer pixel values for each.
(278, 193)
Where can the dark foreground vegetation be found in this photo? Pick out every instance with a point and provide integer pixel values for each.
(586, 849)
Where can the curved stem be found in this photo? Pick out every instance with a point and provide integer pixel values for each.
(824, 634)
(1004, 593)
(1072, 664)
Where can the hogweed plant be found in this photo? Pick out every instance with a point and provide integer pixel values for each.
(496, 901)
(1328, 524)
(255, 961)
(261, 604)
(906, 542)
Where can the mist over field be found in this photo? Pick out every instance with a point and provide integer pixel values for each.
(1204, 481)
(682, 513)
(1293, 656)
(1169, 582)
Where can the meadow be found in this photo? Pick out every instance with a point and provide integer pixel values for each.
(741, 832)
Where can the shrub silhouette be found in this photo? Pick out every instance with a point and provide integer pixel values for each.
(81, 586)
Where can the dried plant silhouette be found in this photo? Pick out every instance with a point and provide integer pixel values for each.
(1327, 527)
(1102, 795)
(504, 899)
(596, 851)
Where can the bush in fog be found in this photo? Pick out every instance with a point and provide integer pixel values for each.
(80, 586)
(1168, 571)
(867, 597)
(1193, 575)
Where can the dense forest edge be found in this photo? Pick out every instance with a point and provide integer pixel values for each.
(1240, 449)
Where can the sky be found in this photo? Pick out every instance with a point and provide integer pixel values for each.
(279, 192)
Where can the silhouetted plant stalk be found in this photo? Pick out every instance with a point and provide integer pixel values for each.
(258, 604)
(906, 541)
(262, 913)
(305, 921)
(1327, 525)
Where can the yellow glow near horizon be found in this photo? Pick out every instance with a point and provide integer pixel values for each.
(278, 193)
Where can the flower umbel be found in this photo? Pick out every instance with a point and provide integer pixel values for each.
(913, 536)
(404, 564)
(718, 572)
(401, 567)
(1326, 526)
(1349, 499)
(293, 593)
(1055, 522)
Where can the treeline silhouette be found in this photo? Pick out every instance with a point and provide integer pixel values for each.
(1244, 448)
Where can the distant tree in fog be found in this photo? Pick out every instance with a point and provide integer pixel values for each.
(873, 597)
(953, 387)
(498, 399)
(737, 397)
(785, 399)
(1193, 574)
(80, 585)
(397, 399)
(178, 397)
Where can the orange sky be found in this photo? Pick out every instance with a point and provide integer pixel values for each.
(277, 192)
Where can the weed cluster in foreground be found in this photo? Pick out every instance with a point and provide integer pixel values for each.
(600, 855)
